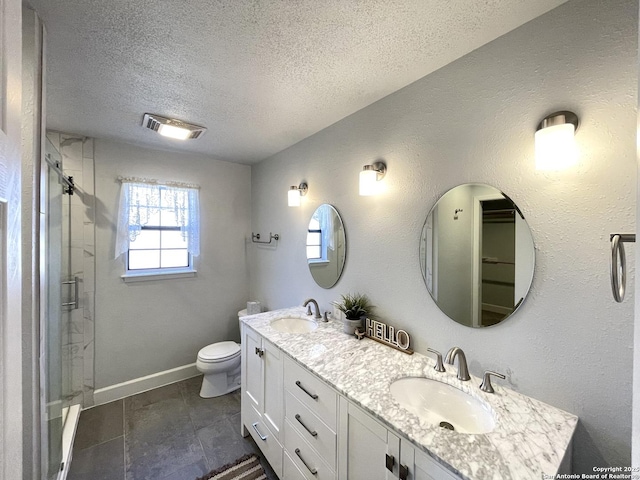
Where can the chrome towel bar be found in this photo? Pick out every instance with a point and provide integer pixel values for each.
(619, 264)
(255, 238)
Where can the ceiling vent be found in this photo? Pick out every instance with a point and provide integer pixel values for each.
(172, 128)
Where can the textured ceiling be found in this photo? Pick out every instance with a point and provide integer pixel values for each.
(261, 75)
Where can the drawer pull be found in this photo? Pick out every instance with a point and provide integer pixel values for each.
(312, 470)
(389, 462)
(259, 351)
(404, 472)
(313, 433)
(255, 427)
(312, 395)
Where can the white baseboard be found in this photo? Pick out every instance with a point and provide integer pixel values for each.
(142, 384)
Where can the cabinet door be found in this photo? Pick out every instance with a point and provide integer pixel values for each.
(252, 371)
(366, 446)
(273, 397)
(421, 466)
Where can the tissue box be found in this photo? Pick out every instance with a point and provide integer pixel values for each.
(253, 308)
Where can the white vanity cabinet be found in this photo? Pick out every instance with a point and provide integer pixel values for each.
(307, 431)
(319, 405)
(367, 449)
(262, 396)
(310, 423)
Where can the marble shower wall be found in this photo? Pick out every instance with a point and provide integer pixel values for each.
(78, 212)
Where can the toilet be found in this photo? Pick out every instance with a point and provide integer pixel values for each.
(220, 364)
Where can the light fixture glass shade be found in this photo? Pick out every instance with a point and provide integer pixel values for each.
(172, 131)
(556, 147)
(294, 197)
(368, 182)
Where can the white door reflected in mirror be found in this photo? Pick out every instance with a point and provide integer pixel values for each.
(477, 255)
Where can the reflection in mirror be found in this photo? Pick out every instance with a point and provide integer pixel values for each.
(477, 255)
(326, 246)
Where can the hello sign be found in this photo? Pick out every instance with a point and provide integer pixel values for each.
(383, 333)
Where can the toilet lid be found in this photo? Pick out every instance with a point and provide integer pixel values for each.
(219, 351)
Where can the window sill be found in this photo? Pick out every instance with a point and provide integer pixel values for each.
(318, 262)
(157, 275)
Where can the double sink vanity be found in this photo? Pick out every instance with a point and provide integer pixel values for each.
(323, 404)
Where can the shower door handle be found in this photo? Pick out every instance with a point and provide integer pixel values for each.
(75, 283)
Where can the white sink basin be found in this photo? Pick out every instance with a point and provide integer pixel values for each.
(294, 325)
(436, 402)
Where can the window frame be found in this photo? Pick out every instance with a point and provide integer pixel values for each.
(144, 274)
(159, 228)
(323, 258)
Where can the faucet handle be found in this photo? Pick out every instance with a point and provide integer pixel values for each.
(439, 367)
(325, 317)
(309, 312)
(486, 386)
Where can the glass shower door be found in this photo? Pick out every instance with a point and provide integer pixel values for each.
(55, 332)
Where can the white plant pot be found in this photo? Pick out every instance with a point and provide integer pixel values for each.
(349, 326)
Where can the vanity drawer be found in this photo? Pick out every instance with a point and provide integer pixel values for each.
(266, 441)
(291, 470)
(316, 395)
(312, 429)
(304, 457)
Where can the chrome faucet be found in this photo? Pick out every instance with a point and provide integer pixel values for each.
(306, 304)
(463, 371)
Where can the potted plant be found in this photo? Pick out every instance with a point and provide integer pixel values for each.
(355, 308)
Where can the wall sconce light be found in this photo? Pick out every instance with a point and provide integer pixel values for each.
(369, 177)
(555, 141)
(295, 193)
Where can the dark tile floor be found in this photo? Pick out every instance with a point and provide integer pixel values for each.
(169, 433)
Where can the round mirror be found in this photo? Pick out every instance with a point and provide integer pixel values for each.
(477, 255)
(326, 246)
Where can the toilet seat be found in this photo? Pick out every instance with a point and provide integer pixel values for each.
(219, 352)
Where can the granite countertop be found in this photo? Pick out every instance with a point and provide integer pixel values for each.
(530, 437)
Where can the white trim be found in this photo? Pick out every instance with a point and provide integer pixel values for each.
(489, 307)
(68, 436)
(312, 262)
(476, 278)
(142, 384)
(149, 275)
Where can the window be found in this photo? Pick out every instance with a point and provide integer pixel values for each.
(158, 228)
(314, 240)
(159, 244)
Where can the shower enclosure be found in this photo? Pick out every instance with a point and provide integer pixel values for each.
(60, 407)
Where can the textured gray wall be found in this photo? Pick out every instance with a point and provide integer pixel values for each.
(148, 327)
(569, 345)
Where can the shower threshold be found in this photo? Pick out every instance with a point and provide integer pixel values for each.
(70, 417)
